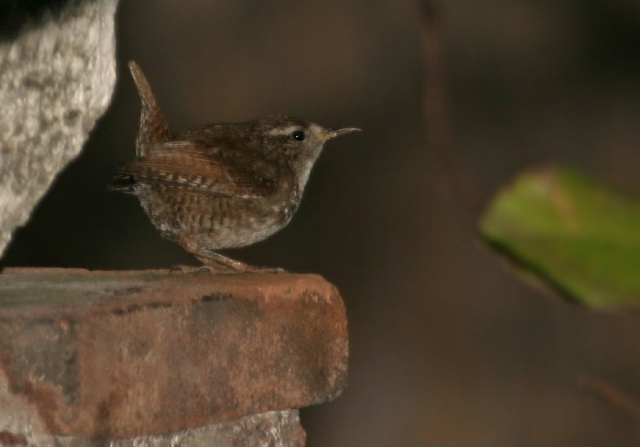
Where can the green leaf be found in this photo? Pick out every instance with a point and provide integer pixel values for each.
(572, 233)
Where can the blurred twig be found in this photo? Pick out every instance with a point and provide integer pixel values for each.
(438, 124)
(613, 395)
(437, 116)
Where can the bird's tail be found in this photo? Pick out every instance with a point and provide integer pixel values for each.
(154, 128)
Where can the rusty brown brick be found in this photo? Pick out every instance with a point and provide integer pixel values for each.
(123, 354)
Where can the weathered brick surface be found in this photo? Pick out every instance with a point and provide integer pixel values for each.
(124, 354)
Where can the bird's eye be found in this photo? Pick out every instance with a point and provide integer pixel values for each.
(298, 135)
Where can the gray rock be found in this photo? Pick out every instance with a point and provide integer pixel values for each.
(57, 76)
(269, 429)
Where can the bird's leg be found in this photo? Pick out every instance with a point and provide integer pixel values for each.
(217, 263)
(214, 261)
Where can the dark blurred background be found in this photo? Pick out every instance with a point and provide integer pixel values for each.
(447, 348)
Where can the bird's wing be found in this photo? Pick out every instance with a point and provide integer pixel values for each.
(215, 171)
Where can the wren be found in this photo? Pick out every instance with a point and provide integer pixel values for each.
(219, 186)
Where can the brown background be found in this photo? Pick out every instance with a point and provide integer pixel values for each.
(447, 349)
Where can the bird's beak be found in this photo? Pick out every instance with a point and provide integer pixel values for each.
(332, 133)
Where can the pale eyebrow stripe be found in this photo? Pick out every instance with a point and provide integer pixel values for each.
(283, 130)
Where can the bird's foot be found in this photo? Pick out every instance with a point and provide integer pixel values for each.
(212, 269)
(183, 268)
(217, 263)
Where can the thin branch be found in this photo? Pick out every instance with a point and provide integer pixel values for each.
(438, 125)
(437, 116)
(612, 395)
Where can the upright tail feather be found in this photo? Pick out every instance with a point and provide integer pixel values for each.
(153, 125)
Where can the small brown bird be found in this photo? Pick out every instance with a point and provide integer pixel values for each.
(223, 185)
